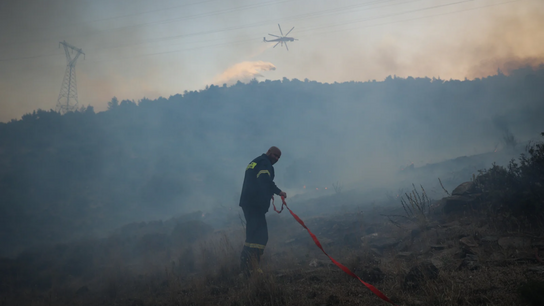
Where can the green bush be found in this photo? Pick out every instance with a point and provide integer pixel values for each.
(518, 188)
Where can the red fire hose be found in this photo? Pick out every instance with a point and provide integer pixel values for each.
(344, 268)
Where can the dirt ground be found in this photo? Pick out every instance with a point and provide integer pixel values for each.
(462, 259)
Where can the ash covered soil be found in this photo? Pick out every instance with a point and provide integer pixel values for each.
(447, 253)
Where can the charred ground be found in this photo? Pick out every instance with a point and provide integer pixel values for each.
(82, 195)
(476, 245)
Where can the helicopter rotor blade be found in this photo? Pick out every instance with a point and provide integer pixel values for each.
(289, 31)
(280, 30)
(276, 44)
(286, 46)
(273, 35)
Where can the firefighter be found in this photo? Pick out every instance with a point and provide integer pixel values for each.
(257, 190)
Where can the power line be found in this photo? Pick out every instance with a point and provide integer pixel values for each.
(122, 16)
(423, 17)
(349, 22)
(326, 12)
(258, 38)
(161, 22)
(288, 18)
(390, 15)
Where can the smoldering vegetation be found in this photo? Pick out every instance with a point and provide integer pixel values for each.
(137, 205)
(479, 244)
(85, 173)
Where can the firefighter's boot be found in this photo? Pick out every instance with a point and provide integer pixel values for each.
(256, 260)
(245, 261)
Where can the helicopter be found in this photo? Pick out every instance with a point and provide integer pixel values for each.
(283, 39)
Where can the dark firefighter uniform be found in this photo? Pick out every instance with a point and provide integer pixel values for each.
(257, 192)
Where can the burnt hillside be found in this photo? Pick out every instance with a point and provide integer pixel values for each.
(81, 173)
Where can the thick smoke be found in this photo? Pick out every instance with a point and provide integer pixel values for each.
(144, 49)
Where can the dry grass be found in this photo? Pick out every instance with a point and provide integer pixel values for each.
(296, 272)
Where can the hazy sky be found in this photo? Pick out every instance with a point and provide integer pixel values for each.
(137, 48)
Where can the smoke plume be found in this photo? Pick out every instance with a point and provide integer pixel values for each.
(243, 72)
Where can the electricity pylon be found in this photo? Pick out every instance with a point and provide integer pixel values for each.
(67, 100)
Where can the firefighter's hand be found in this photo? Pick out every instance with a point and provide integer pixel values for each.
(283, 194)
